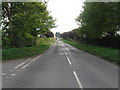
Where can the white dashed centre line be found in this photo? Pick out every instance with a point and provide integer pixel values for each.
(78, 81)
(10, 70)
(69, 61)
(65, 53)
(13, 74)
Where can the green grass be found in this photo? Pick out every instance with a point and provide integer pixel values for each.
(15, 53)
(106, 53)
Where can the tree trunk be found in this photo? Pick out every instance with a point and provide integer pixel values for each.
(10, 29)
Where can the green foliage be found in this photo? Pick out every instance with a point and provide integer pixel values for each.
(70, 35)
(24, 20)
(98, 24)
(99, 19)
(15, 53)
(49, 34)
(43, 40)
(39, 41)
(109, 54)
(12, 53)
(57, 34)
(29, 39)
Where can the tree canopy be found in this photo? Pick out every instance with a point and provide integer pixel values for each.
(22, 22)
(98, 24)
(99, 19)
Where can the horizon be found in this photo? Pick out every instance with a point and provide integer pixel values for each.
(65, 15)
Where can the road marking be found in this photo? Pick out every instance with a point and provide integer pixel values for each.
(4, 74)
(29, 63)
(26, 65)
(78, 81)
(22, 63)
(69, 61)
(10, 70)
(13, 74)
(7, 77)
(65, 53)
(19, 65)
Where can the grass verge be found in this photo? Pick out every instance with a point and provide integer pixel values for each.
(15, 53)
(106, 53)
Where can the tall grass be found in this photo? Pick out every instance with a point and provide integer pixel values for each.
(15, 53)
(106, 53)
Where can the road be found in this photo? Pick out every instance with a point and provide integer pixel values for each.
(62, 66)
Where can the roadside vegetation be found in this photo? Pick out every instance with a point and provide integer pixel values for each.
(98, 31)
(109, 54)
(24, 22)
(25, 29)
(98, 25)
(15, 53)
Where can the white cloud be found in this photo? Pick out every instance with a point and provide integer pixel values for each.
(65, 11)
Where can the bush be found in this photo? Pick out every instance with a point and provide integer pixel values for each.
(15, 53)
(108, 54)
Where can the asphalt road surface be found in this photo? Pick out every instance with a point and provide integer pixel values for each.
(62, 66)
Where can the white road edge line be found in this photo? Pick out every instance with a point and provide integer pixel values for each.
(13, 74)
(10, 70)
(22, 63)
(4, 73)
(65, 53)
(29, 63)
(78, 81)
(69, 61)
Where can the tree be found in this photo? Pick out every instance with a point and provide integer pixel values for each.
(70, 35)
(20, 22)
(99, 19)
(57, 34)
(99, 23)
(49, 34)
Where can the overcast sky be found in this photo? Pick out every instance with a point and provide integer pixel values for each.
(65, 11)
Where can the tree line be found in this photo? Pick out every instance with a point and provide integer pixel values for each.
(99, 23)
(23, 22)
